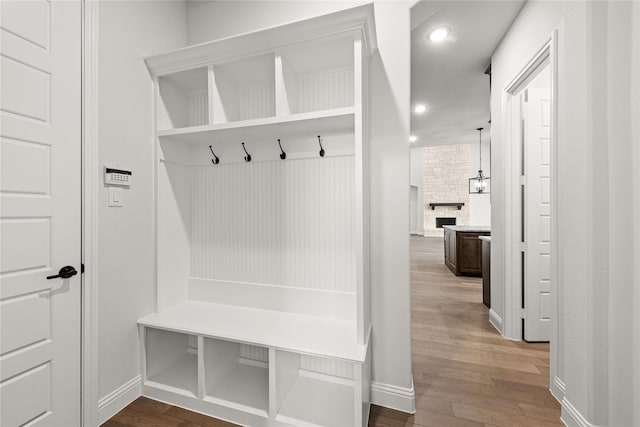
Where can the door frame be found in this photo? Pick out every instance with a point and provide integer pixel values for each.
(90, 209)
(512, 326)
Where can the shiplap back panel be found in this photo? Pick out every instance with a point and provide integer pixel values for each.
(335, 367)
(256, 102)
(326, 90)
(285, 223)
(254, 352)
(322, 365)
(198, 108)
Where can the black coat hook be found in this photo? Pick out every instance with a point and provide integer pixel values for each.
(321, 149)
(283, 155)
(215, 159)
(247, 158)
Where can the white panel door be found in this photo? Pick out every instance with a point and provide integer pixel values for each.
(537, 218)
(40, 212)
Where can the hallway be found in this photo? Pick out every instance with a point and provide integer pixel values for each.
(465, 373)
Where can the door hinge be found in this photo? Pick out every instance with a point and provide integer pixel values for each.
(523, 313)
(522, 179)
(523, 246)
(82, 268)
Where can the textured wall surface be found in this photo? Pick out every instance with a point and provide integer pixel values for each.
(446, 175)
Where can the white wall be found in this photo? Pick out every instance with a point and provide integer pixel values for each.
(526, 36)
(417, 178)
(128, 31)
(390, 165)
(598, 196)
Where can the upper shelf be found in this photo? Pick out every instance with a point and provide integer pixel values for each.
(354, 19)
(316, 122)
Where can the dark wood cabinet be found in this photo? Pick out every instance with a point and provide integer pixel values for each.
(463, 249)
(486, 272)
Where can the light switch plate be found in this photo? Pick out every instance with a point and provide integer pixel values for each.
(115, 197)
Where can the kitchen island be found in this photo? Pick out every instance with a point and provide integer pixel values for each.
(463, 249)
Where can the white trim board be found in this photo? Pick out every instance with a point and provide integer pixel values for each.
(572, 417)
(558, 389)
(359, 18)
(119, 398)
(496, 321)
(512, 324)
(394, 397)
(90, 208)
(314, 302)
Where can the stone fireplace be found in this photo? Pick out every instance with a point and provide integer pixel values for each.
(446, 181)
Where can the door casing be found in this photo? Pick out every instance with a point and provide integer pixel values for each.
(90, 209)
(512, 274)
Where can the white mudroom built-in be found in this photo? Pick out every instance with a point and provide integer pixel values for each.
(262, 297)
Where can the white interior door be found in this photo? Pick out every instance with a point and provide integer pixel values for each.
(537, 218)
(40, 212)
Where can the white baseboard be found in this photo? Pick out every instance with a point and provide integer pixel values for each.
(572, 417)
(558, 389)
(496, 321)
(394, 397)
(119, 398)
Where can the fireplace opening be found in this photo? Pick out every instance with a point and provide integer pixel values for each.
(445, 221)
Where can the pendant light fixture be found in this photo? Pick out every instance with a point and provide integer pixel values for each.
(480, 184)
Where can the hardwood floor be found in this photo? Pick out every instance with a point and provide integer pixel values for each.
(465, 373)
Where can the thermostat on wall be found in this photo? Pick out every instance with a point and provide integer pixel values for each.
(113, 176)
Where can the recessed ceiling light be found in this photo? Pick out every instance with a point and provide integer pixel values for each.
(413, 138)
(439, 34)
(420, 108)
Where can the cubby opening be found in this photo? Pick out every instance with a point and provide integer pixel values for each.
(317, 75)
(314, 390)
(172, 360)
(183, 99)
(244, 90)
(237, 373)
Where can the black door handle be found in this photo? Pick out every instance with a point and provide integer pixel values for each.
(64, 273)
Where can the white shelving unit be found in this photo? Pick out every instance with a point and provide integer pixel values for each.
(262, 314)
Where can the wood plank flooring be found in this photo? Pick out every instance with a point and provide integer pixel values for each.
(465, 373)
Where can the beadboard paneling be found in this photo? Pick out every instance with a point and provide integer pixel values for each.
(281, 223)
(254, 352)
(337, 368)
(323, 91)
(256, 102)
(198, 108)
(334, 367)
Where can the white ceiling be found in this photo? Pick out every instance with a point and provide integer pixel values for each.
(449, 76)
